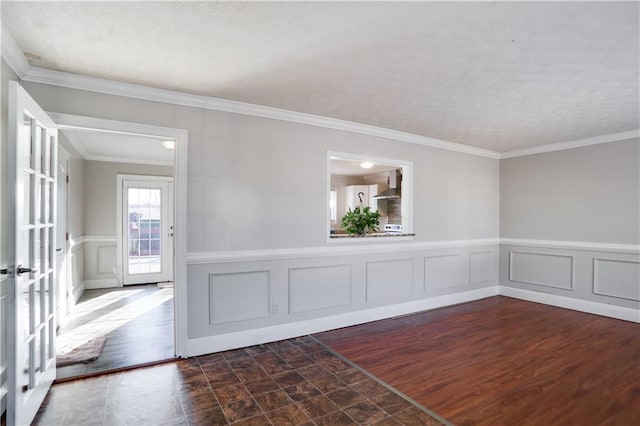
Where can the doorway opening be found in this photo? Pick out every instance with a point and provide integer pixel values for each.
(117, 262)
(145, 228)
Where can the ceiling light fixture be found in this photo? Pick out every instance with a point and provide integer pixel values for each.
(171, 145)
(366, 164)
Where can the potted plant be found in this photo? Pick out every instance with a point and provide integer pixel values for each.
(361, 221)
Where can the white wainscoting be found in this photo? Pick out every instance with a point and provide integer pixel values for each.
(617, 278)
(76, 258)
(551, 270)
(444, 271)
(321, 287)
(106, 259)
(481, 266)
(389, 279)
(597, 278)
(100, 261)
(259, 335)
(339, 287)
(238, 296)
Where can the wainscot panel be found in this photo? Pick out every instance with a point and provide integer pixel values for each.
(380, 274)
(601, 280)
(313, 288)
(106, 259)
(444, 271)
(617, 278)
(246, 298)
(77, 271)
(100, 261)
(481, 267)
(238, 296)
(546, 269)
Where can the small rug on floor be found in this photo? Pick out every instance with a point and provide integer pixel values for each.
(86, 352)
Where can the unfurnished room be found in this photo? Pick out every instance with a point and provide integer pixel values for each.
(320, 213)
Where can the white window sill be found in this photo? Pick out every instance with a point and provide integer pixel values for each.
(369, 238)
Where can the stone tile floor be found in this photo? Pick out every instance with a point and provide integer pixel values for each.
(291, 382)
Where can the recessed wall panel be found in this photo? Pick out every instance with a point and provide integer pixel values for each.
(319, 287)
(550, 270)
(480, 267)
(390, 278)
(238, 296)
(106, 259)
(444, 271)
(617, 278)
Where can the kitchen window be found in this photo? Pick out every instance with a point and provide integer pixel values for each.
(384, 185)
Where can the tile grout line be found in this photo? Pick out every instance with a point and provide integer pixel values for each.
(243, 384)
(323, 393)
(381, 382)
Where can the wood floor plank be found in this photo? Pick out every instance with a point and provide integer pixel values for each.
(502, 361)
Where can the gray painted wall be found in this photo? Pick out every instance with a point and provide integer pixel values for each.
(583, 194)
(588, 194)
(99, 192)
(257, 183)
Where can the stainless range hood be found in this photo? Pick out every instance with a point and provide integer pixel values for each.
(395, 183)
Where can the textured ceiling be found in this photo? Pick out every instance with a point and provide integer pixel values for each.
(500, 76)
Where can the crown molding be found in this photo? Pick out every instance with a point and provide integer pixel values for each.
(100, 85)
(12, 53)
(613, 137)
(111, 87)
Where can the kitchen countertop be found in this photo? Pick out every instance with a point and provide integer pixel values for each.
(373, 235)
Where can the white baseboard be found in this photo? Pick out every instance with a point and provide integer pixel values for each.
(612, 311)
(96, 284)
(210, 344)
(78, 291)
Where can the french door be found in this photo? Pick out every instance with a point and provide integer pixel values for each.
(31, 272)
(147, 229)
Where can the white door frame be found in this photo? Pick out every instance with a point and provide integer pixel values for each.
(167, 258)
(77, 122)
(62, 278)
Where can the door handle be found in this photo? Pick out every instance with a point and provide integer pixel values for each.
(58, 250)
(4, 271)
(22, 270)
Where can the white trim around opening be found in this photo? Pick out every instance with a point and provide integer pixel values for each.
(181, 136)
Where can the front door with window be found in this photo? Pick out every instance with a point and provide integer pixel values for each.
(147, 230)
(32, 307)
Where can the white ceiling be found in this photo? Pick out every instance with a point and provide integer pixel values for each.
(499, 76)
(353, 168)
(121, 148)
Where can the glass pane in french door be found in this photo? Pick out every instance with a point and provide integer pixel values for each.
(144, 213)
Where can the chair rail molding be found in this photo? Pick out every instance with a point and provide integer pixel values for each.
(194, 258)
(573, 245)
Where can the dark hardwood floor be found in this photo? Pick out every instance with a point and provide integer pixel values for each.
(137, 322)
(503, 361)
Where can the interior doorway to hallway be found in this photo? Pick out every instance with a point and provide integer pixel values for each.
(116, 280)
